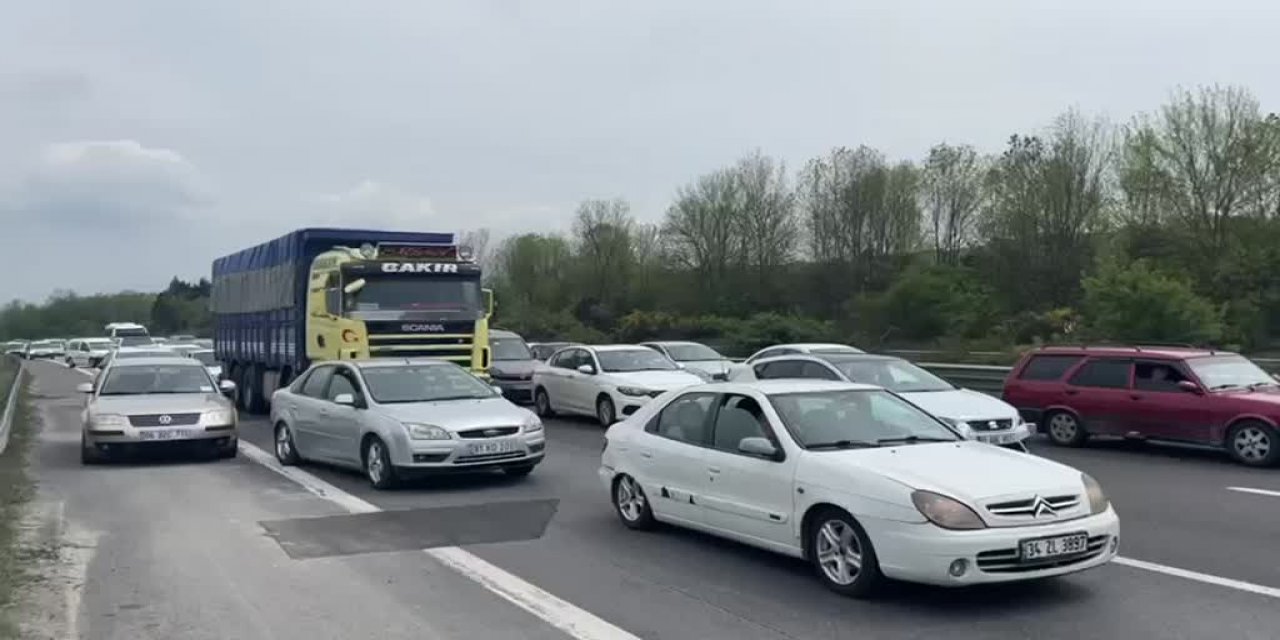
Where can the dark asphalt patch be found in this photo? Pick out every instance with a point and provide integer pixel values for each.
(412, 529)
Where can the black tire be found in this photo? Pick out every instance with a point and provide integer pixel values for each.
(229, 452)
(519, 472)
(255, 402)
(377, 465)
(286, 450)
(1253, 443)
(71, 364)
(850, 541)
(1065, 429)
(542, 403)
(89, 455)
(631, 504)
(606, 413)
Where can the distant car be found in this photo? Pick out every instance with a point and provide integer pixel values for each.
(805, 347)
(88, 352)
(204, 342)
(543, 350)
(182, 339)
(856, 481)
(397, 418)
(210, 362)
(986, 418)
(605, 381)
(511, 366)
(15, 348)
(157, 340)
(46, 350)
(184, 350)
(144, 402)
(135, 341)
(1200, 396)
(133, 353)
(694, 356)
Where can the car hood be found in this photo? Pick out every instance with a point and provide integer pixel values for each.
(965, 470)
(460, 415)
(160, 403)
(712, 367)
(961, 404)
(656, 380)
(513, 368)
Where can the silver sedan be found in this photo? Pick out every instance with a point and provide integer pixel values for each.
(145, 401)
(396, 418)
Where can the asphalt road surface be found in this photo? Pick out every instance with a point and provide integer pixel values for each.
(233, 549)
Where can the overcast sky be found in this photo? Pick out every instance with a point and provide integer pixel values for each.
(140, 139)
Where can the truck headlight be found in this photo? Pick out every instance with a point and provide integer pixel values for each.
(219, 417)
(426, 432)
(633, 391)
(1098, 501)
(532, 424)
(108, 420)
(945, 512)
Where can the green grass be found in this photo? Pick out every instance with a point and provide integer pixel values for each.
(16, 489)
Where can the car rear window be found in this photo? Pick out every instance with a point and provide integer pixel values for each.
(1110, 374)
(1048, 367)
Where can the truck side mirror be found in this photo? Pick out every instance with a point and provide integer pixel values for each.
(354, 286)
(488, 301)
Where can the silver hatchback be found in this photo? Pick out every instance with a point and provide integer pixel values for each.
(142, 402)
(396, 418)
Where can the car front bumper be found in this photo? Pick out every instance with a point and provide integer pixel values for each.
(520, 391)
(111, 437)
(1018, 433)
(461, 455)
(925, 553)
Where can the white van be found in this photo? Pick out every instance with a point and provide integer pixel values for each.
(128, 334)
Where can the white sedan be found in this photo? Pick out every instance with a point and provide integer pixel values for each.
(605, 381)
(856, 481)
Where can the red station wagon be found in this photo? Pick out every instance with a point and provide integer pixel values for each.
(1198, 396)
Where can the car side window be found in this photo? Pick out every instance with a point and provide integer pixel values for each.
(341, 382)
(815, 371)
(1157, 376)
(739, 417)
(315, 383)
(685, 419)
(1103, 373)
(1047, 367)
(568, 359)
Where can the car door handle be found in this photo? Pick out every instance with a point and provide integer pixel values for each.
(713, 469)
(646, 454)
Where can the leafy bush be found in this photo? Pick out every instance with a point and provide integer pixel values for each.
(1136, 302)
(930, 302)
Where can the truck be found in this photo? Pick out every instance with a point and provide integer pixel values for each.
(323, 294)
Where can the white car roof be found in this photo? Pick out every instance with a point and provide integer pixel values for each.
(674, 343)
(793, 385)
(814, 346)
(616, 347)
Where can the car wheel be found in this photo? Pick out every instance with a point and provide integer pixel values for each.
(605, 412)
(286, 451)
(631, 504)
(71, 364)
(1254, 443)
(377, 465)
(227, 452)
(519, 472)
(88, 454)
(1065, 430)
(542, 403)
(843, 555)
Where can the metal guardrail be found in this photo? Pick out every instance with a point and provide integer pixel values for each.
(11, 396)
(979, 377)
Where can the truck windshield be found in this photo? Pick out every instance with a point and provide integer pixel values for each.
(445, 295)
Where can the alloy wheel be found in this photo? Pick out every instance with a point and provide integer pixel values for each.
(374, 463)
(1063, 427)
(1252, 444)
(839, 553)
(283, 446)
(630, 499)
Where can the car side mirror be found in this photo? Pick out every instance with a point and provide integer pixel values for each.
(587, 369)
(227, 387)
(85, 387)
(345, 399)
(1190, 387)
(758, 447)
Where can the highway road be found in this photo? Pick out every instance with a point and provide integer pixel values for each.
(178, 548)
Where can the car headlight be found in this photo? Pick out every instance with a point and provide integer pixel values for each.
(1098, 501)
(960, 425)
(945, 512)
(532, 424)
(426, 432)
(108, 420)
(219, 416)
(633, 391)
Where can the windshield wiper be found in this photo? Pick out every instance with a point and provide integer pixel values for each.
(1260, 384)
(912, 440)
(842, 444)
(443, 399)
(1228, 385)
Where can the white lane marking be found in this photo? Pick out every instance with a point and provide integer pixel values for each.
(1261, 492)
(576, 622)
(1229, 583)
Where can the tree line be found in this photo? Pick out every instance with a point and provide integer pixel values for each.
(182, 308)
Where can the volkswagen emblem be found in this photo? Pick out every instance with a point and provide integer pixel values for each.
(166, 419)
(1041, 507)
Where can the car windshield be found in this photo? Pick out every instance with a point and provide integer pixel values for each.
(895, 375)
(46, 343)
(622, 360)
(509, 349)
(135, 341)
(205, 358)
(1228, 372)
(125, 355)
(855, 418)
(457, 297)
(161, 378)
(423, 383)
(692, 352)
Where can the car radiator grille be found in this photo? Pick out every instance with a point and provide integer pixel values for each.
(1008, 560)
(156, 419)
(488, 432)
(1028, 507)
(991, 425)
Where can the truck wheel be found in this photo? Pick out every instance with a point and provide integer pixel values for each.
(253, 400)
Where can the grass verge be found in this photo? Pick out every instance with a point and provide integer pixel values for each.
(16, 489)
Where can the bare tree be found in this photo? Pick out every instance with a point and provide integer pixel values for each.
(602, 231)
(702, 228)
(478, 240)
(952, 185)
(766, 221)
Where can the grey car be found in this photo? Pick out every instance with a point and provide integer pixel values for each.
(694, 356)
(397, 418)
(512, 366)
(147, 401)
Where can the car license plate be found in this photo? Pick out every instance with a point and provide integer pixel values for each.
(164, 434)
(1042, 548)
(490, 448)
(1002, 438)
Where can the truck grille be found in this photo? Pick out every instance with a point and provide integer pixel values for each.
(453, 343)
